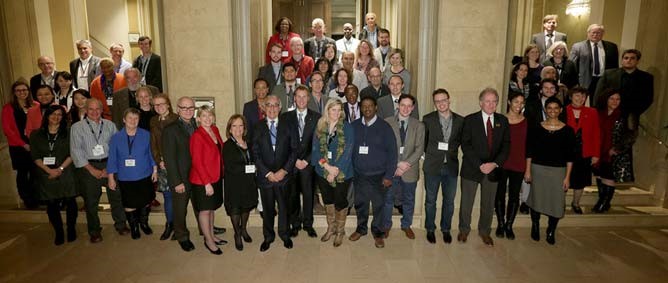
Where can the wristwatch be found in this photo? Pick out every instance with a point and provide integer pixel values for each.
(61, 168)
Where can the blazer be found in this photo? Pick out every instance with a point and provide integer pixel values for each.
(314, 106)
(311, 46)
(569, 72)
(153, 76)
(207, 159)
(413, 146)
(282, 94)
(386, 108)
(582, 57)
(252, 115)
(310, 122)
(121, 101)
(346, 109)
(14, 132)
(157, 126)
(378, 55)
(635, 101)
(267, 73)
(176, 153)
(97, 92)
(93, 70)
(591, 131)
(539, 40)
(36, 81)
(474, 145)
(433, 158)
(269, 160)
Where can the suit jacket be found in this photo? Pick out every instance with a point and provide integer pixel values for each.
(121, 101)
(474, 145)
(386, 108)
(97, 92)
(252, 115)
(93, 70)
(378, 55)
(539, 40)
(207, 160)
(346, 109)
(176, 153)
(413, 146)
(153, 74)
(312, 105)
(280, 92)
(310, 121)
(582, 57)
(433, 158)
(36, 81)
(533, 112)
(269, 160)
(311, 46)
(267, 72)
(636, 100)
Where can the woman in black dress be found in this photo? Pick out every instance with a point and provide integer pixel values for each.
(50, 150)
(240, 189)
(550, 156)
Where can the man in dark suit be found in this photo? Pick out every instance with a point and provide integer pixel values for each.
(85, 68)
(486, 144)
(253, 110)
(275, 151)
(285, 91)
(175, 144)
(148, 64)
(388, 105)
(315, 46)
(534, 111)
(302, 121)
(548, 37)
(443, 135)
(351, 107)
(125, 97)
(47, 76)
(272, 72)
(635, 86)
(592, 57)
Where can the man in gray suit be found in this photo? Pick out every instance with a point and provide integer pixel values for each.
(388, 105)
(285, 91)
(272, 72)
(592, 57)
(125, 97)
(443, 135)
(409, 134)
(85, 68)
(549, 36)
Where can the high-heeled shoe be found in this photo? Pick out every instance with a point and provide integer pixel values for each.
(216, 252)
(220, 243)
(247, 238)
(238, 243)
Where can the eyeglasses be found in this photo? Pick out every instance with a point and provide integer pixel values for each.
(441, 101)
(187, 108)
(21, 90)
(272, 105)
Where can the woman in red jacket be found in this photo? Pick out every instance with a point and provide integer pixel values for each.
(206, 176)
(46, 97)
(14, 117)
(283, 36)
(584, 121)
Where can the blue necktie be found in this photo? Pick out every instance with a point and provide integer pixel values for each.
(272, 132)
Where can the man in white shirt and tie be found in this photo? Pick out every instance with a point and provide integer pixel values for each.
(351, 106)
(592, 57)
(549, 36)
(388, 105)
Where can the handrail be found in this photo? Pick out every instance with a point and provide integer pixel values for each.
(653, 136)
(104, 48)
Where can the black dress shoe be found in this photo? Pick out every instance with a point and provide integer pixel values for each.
(287, 244)
(265, 246)
(524, 208)
(187, 245)
(576, 208)
(535, 233)
(500, 231)
(447, 238)
(294, 232)
(311, 232)
(510, 235)
(221, 242)
(218, 230)
(247, 238)
(550, 237)
(217, 251)
(431, 238)
(238, 243)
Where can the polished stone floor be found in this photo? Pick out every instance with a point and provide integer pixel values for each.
(600, 254)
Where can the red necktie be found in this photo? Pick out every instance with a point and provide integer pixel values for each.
(490, 134)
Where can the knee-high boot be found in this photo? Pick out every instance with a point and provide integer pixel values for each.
(72, 210)
(133, 220)
(53, 211)
(551, 230)
(244, 223)
(331, 225)
(602, 191)
(510, 219)
(143, 220)
(340, 219)
(535, 225)
(499, 207)
(609, 193)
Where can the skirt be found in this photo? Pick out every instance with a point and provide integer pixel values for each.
(547, 195)
(203, 202)
(581, 173)
(137, 194)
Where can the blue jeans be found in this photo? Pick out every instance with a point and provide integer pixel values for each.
(448, 183)
(369, 189)
(168, 206)
(407, 193)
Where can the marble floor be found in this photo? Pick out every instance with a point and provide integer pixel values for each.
(599, 254)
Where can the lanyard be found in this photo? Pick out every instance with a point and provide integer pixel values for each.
(144, 66)
(131, 142)
(97, 138)
(246, 155)
(52, 142)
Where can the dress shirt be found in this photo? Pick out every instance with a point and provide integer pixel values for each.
(484, 120)
(370, 123)
(446, 129)
(82, 72)
(601, 57)
(85, 135)
(353, 108)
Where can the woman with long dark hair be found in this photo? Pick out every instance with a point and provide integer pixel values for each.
(518, 79)
(63, 89)
(78, 109)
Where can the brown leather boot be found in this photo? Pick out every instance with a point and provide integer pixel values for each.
(340, 220)
(331, 224)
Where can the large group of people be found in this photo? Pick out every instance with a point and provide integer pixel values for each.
(329, 118)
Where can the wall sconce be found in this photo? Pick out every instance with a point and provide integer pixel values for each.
(578, 8)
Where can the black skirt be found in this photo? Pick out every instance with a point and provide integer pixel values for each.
(137, 194)
(21, 159)
(581, 173)
(203, 202)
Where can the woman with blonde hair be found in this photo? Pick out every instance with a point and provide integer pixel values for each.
(332, 152)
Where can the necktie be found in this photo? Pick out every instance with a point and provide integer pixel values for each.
(597, 63)
(290, 97)
(301, 125)
(402, 132)
(490, 134)
(396, 106)
(549, 41)
(272, 132)
(353, 115)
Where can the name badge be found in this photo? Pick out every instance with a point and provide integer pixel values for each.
(329, 155)
(110, 101)
(401, 150)
(364, 150)
(49, 161)
(98, 150)
(129, 163)
(442, 146)
(299, 80)
(273, 147)
(250, 169)
(284, 54)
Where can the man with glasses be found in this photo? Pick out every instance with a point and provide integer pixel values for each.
(45, 77)
(126, 97)
(348, 43)
(377, 89)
